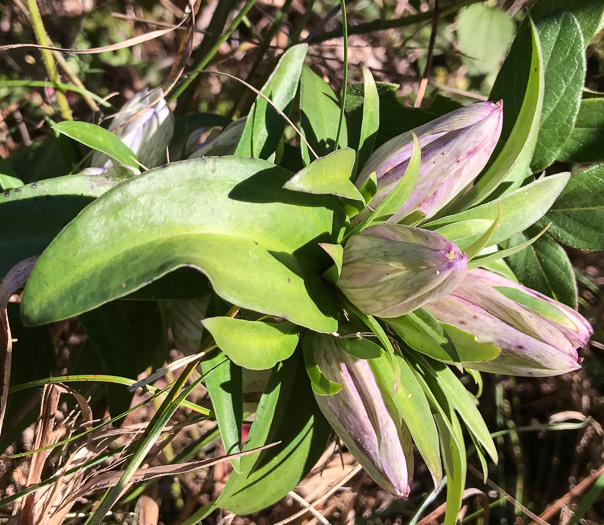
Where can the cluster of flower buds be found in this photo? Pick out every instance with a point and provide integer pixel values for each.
(390, 269)
(146, 125)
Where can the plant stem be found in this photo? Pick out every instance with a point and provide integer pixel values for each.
(424, 81)
(49, 62)
(294, 36)
(210, 54)
(345, 80)
(260, 50)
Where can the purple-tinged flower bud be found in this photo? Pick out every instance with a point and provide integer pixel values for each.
(364, 418)
(147, 134)
(455, 149)
(538, 336)
(390, 269)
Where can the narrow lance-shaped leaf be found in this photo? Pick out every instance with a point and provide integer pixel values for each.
(512, 161)
(98, 139)
(451, 440)
(224, 383)
(500, 254)
(264, 125)
(519, 209)
(413, 407)
(303, 434)
(319, 116)
(371, 118)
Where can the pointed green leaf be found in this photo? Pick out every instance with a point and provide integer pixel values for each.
(255, 345)
(99, 139)
(422, 332)
(479, 244)
(450, 436)
(492, 257)
(373, 324)
(360, 347)
(403, 188)
(463, 402)
(512, 161)
(184, 215)
(329, 175)
(454, 454)
(519, 209)
(369, 188)
(319, 116)
(543, 307)
(224, 382)
(412, 405)
(460, 232)
(336, 252)
(371, 118)
(320, 383)
(264, 125)
(269, 476)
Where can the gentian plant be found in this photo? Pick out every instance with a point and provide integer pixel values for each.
(360, 279)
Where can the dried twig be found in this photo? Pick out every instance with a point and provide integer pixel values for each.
(424, 81)
(565, 500)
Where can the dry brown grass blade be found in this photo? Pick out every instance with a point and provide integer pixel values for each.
(341, 482)
(575, 491)
(508, 498)
(14, 280)
(109, 479)
(185, 48)
(45, 435)
(104, 49)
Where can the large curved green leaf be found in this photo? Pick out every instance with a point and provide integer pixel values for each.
(31, 216)
(229, 217)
